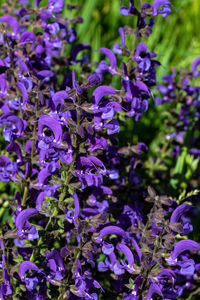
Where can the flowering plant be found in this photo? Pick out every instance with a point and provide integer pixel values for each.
(86, 220)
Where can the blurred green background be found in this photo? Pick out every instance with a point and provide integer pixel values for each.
(175, 39)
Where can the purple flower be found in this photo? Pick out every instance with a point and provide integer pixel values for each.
(187, 266)
(45, 75)
(165, 10)
(56, 266)
(53, 28)
(14, 147)
(76, 50)
(56, 5)
(118, 269)
(128, 11)
(110, 230)
(112, 127)
(116, 48)
(71, 35)
(28, 37)
(14, 126)
(31, 281)
(71, 216)
(5, 287)
(23, 91)
(154, 289)
(107, 248)
(97, 143)
(8, 169)
(179, 211)
(47, 141)
(129, 256)
(24, 267)
(111, 57)
(24, 229)
(180, 247)
(12, 22)
(195, 64)
(166, 274)
(90, 171)
(100, 92)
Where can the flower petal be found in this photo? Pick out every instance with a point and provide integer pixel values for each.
(76, 206)
(12, 22)
(195, 64)
(127, 252)
(111, 57)
(182, 246)
(23, 216)
(24, 93)
(45, 73)
(178, 212)
(53, 124)
(141, 47)
(157, 4)
(112, 127)
(56, 5)
(77, 49)
(110, 230)
(28, 37)
(14, 147)
(154, 289)
(55, 254)
(25, 266)
(59, 97)
(100, 92)
(122, 35)
(167, 273)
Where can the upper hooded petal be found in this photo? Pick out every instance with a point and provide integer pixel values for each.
(24, 93)
(43, 174)
(182, 246)
(59, 97)
(140, 87)
(23, 216)
(25, 266)
(78, 48)
(28, 37)
(100, 92)
(141, 47)
(53, 124)
(122, 35)
(111, 57)
(179, 211)
(110, 230)
(195, 64)
(127, 252)
(154, 289)
(15, 121)
(12, 22)
(14, 147)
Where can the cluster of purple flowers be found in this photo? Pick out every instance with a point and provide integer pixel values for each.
(79, 210)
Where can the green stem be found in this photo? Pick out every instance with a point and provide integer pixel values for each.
(25, 195)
